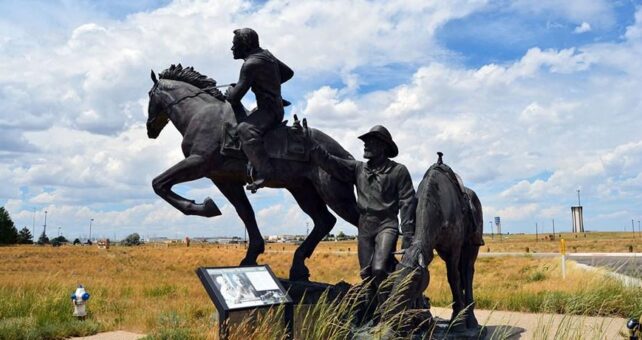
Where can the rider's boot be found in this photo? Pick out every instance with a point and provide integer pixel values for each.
(258, 157)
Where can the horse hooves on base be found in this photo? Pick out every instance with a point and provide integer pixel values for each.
(443, 330)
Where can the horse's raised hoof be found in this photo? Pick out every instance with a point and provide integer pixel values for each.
(209, 208)
(299, 274)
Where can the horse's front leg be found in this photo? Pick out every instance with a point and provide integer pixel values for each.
(235, 193)
(189, 169)
(454, 280)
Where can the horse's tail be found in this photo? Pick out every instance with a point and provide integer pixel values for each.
(477, 213)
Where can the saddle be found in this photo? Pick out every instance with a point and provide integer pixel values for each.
(282, 142)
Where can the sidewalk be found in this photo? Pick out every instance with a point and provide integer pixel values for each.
(501, 325)
(515, 325)
(115, 335)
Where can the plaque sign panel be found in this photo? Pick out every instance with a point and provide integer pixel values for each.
(242, 288)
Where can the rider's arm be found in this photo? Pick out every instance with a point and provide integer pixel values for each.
(407, 205)
(236, 93)
(342, 169)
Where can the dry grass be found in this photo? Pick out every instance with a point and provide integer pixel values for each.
(155, 289)
(617, 242)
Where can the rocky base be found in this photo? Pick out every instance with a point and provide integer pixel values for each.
(442, 330)
(309, 293)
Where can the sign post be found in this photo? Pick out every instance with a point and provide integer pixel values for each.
(563, 252)
(237, 289)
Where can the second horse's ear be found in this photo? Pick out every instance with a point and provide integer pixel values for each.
(154, 79)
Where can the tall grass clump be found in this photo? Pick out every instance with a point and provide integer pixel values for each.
(41, 312)
(336, 319)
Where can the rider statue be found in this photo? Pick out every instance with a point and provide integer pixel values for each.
(384, 190)
(264, 74)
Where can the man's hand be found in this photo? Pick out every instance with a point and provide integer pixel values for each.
(406, 240)
(229, 88)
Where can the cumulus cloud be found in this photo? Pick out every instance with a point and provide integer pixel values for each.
(72, 139)
(583, 28)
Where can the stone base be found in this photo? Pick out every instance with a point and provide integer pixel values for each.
(443, 331)
(309, 293)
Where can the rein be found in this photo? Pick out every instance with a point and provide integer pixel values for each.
(205, 90)
(169, 106)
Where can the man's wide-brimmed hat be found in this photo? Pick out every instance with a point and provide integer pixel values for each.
(383, 134)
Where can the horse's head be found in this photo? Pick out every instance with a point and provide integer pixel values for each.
(157, 115)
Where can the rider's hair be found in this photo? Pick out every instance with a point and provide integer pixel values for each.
(249, 37)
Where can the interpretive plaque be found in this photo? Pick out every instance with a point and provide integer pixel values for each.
(242, 289)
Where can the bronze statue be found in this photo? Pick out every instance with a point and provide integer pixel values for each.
(384, 190)
(264, 74)
(449, 220)
(211, 149)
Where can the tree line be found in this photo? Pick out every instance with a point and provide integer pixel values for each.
(9, 234)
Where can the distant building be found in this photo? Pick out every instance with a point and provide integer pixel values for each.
(157, 240)
(285, 238)
(578, 219)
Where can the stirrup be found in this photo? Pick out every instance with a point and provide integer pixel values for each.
(255, 185)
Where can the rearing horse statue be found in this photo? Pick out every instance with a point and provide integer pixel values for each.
(191, 102)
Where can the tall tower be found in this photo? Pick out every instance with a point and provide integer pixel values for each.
(578, 216)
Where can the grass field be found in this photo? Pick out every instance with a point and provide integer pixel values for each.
(620, 242)
(153, 289)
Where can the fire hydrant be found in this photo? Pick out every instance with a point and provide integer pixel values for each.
(79, 299)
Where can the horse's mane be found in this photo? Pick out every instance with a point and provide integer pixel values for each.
(193, 77)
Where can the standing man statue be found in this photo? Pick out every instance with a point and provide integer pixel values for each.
(264, 74)
(384, 190)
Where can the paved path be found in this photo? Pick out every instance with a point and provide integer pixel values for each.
(514, 325)
(501, 325)
(116, 335)
(629, 265)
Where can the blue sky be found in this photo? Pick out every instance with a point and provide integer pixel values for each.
(529, 101)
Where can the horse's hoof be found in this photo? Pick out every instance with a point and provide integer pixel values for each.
(209, 208)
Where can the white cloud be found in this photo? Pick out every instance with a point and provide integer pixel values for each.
(599, 12)
(583, 28)
(72, 109)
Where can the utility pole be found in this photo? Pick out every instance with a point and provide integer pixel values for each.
(33, 224)
(633, 227)
(45, 225)
(492, 230)
(536, 233)
(639, 231)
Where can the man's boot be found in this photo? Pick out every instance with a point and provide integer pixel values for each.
(258, 157)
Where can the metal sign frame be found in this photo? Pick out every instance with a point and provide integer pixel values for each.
(224, 310)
